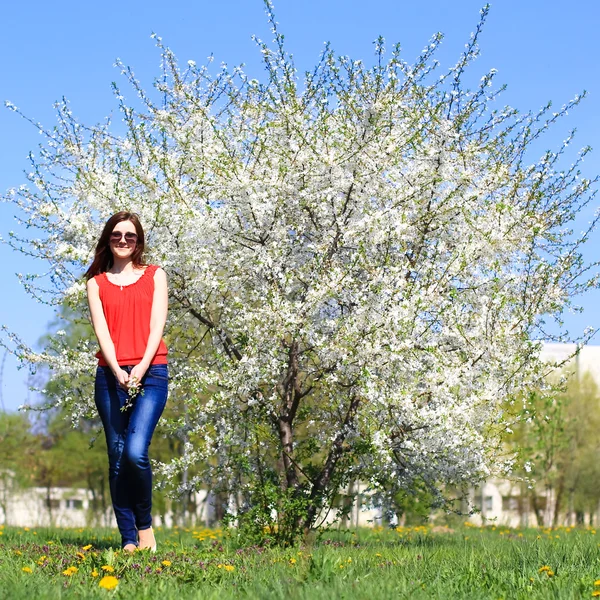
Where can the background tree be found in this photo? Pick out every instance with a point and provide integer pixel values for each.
(359, 264)
(16, 445)
(557, 439)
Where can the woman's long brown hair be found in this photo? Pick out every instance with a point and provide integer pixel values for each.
(103, 259)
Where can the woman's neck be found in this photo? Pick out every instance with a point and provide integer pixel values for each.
(121, 265)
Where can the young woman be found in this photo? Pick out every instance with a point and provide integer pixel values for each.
(128, 305)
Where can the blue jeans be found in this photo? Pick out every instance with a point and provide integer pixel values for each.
(128, 436)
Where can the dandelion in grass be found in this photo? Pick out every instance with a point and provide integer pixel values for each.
(108, 582)
(94, 573)
(69, 571)
(27, 570)
(107, 569)
(596, 593)
(597, 583)
(166, 563)
(86, 548)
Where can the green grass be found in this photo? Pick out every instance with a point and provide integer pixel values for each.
(367, 564)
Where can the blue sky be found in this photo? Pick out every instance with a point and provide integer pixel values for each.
(543, 50)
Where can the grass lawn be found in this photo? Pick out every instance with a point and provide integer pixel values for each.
(420, 562)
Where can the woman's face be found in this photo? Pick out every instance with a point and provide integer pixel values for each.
(123, 239)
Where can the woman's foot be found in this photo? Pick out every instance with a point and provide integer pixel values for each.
(129, 548)
(147, 540)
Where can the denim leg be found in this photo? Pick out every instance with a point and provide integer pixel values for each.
(110, 398)
(147, 408)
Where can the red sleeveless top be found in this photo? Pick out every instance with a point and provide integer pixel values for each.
(127, 310)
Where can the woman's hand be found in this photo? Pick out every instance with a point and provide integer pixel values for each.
(135, 377)
(122, 378)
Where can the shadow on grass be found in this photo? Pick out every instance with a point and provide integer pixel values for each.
(41, 537)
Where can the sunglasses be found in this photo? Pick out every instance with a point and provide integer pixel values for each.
(117, 236)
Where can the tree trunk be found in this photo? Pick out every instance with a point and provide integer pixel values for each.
(539, 513)
(322, 482)
(559, 494)
(291, 397)
(49, 505)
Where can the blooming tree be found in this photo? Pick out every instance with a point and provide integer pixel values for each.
(360, 262)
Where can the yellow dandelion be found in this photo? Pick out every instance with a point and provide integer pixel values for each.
(86, 548)
(349, 560)
(597, 582)
(70, 571)
(27, 570)
(544, 568)
(107, 569)
(108, 582)
(219, 566)
(595, 593)
(80, 556)
(166, 563)
(26, 529)
(18, 552)
(229, 568)
(94, 573)
(341, 566)
(292, 561)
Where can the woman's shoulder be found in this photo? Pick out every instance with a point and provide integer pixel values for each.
(156, 272)
(153, 268)
(94, 282)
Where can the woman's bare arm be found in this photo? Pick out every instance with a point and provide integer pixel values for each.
(158, 318)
